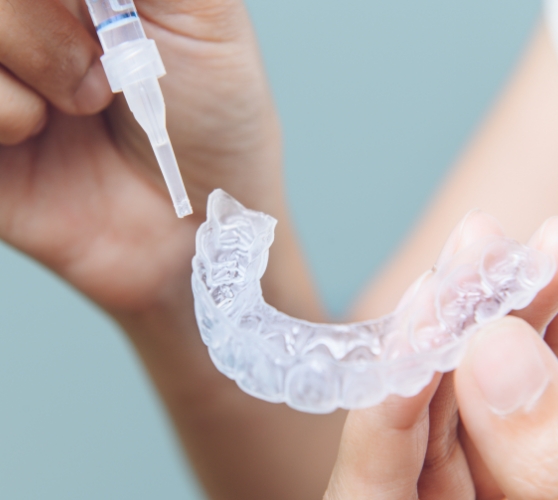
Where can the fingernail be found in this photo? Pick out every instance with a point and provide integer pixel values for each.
(508, 368)
(94, 92)
(453, 241)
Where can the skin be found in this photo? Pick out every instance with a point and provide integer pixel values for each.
(421, 447)
(461, 449)
(80, 192)
(510, 456)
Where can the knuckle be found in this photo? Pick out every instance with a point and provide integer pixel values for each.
(209, 20)
(40, 65)
(534, 476)
(20, 117)
(55, 57)
(72, 64)
(443, 456)
(63, 69)
(540, 485)
(442, 446)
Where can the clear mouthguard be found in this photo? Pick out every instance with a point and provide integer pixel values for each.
(317, 368)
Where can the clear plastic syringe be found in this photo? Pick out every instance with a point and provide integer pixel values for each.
(133, 66)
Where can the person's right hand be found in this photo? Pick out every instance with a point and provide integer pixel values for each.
(80, 189)
(503, 443)
(507, 390)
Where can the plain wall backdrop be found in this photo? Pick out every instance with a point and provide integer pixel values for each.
(376, 99)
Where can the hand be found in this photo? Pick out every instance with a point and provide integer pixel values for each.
(80, 190)
(506, 389)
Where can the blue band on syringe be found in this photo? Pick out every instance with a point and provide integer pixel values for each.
(117, 19)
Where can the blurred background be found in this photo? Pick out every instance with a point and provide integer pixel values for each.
(376, 98)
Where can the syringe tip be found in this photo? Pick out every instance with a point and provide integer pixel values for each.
(183, 209)
(171, 173)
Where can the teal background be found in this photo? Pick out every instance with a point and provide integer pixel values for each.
(376, 99)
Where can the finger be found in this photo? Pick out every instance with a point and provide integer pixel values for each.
(545, 305)
(485, 486)
(537, 314)
(22, 112)
(507, 390)
(445, 473)
(475, 225)
(44, 45)
(551, 336)
(382, 450)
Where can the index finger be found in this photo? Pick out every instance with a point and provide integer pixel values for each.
(383, 448)
(44, 45)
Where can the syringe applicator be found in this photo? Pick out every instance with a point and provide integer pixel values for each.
(133, 65)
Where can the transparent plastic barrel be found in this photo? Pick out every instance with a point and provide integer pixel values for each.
(116, 22)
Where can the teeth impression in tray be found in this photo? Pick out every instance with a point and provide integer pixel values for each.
(320, 367)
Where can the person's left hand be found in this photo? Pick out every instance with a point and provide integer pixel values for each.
(80, 190)
(503, 440)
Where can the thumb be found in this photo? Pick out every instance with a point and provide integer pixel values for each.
(507, 391)
(204, 20)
